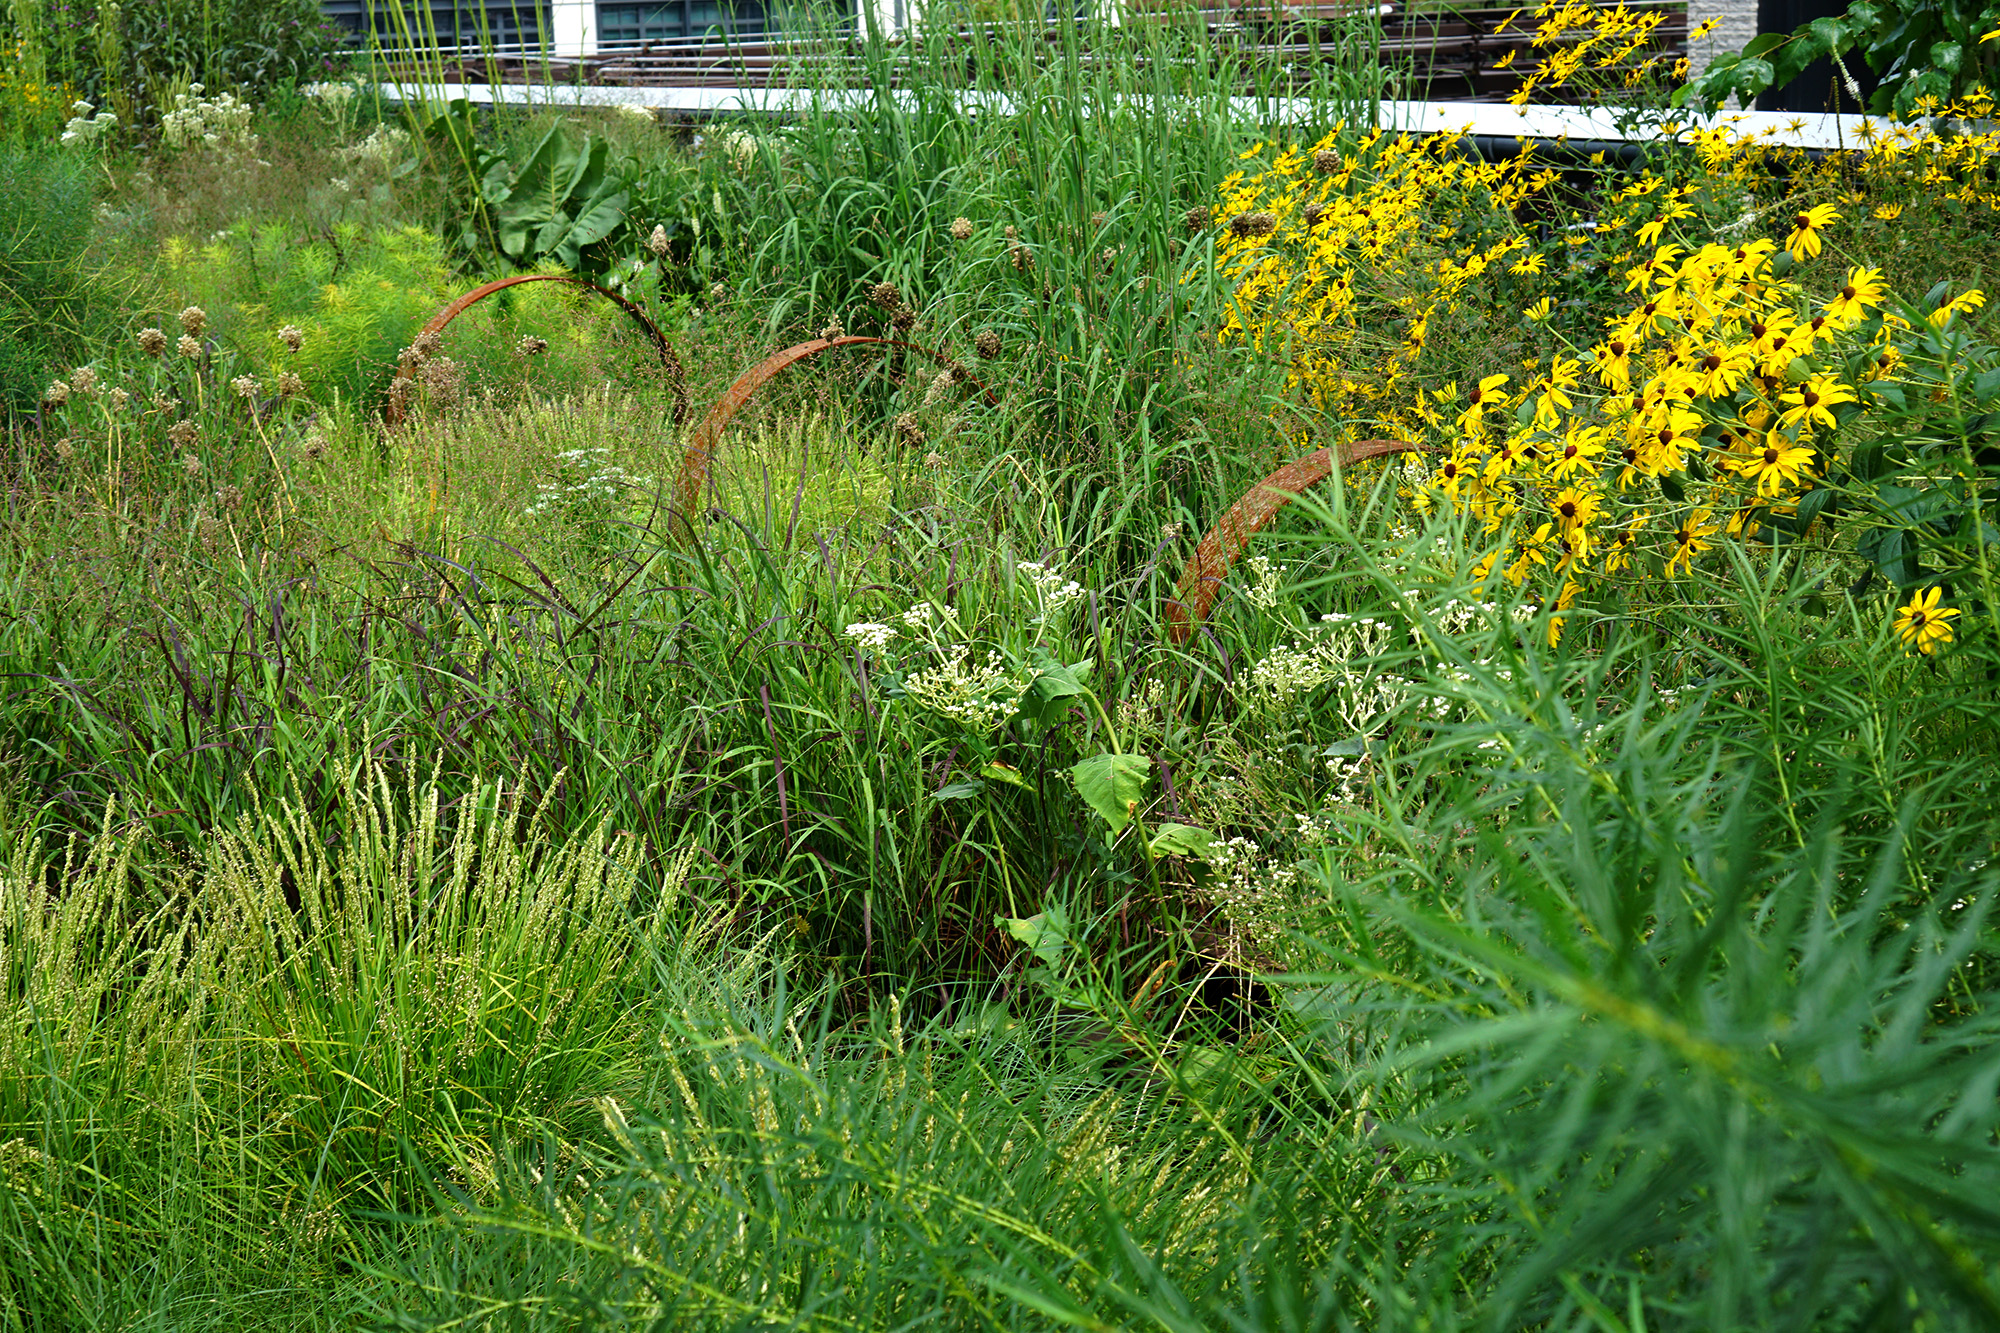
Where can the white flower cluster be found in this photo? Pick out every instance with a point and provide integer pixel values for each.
(83, 128)
(382, 149)
(1256, 895)
(1053, 593)
(1344, 652)
(1266, 580)
(220, 123)
(871, 635)
(982, 696)
(333, 96)
(588, 475)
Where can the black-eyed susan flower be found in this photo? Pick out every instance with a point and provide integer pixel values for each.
(1861, 293)
(1923, 624)
(1691, 539)
(1804, 242)
(1782, 462)
(1813, 402)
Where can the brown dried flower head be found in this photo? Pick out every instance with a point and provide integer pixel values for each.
(246, 386)
(1311, 214)
(152, 342)
(189, 345)
(908, 427)
(57, 393)
(313, 447)
(961, 229)
(903, 320)
(292, 337)
(427, 344)
(194, 321)
(230, 497)
(191, 464)
(1326, 161)
(987, 343)
(290, 385)
(120, 399)
(832, 331)
(402, 392)
(1253, 224)
(1022, 257)
(1197, 219)
(530, 345)
(885, 295)
(65, 450)
(444, 378)
(183, 434)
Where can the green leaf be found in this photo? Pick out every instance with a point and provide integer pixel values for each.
(1113, 785)
(1182, 840)
(1006, 773)
(1045, 933)
(958, 791)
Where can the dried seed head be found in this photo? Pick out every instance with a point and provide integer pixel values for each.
(903, 320)
(530, 345)
(908, 429)
(987, 343)
(290, 385)
(152, 342)
(961, 229)
(313, 447)
(65, 450)
(1311, 214)
(191, 464)
(57, 393)
(1024, 258)
(120, 400)
(183, 434)
(832, 331)
(1326, 161)
(230, 497)
(427, 344)
(885, 295)
(246, 386)
(933, 460)
(444, 378)
(402, 392)
(292, 337)
(1253, 224)
(189, 345)
(194, 321)
(1197, 219)
(658, 242)
(1011, 233)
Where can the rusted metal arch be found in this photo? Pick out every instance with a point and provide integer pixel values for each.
(1202, 578)
(669, 359)
(699, 455)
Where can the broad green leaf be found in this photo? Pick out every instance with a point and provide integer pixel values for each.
(1113, 785)
(1044, 933)
(1006, 773)
(1182, 840)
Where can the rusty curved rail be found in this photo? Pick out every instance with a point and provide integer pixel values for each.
(1211, 561)
(699, 455)
(670, 359)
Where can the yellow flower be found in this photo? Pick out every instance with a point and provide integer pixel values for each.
(1539, 311)
(1814, 401)
(1958, 305)
(1863, 290)
(1691, 539)
(1889, 212)
(1780, 463)
(1804, 241)
(1923, 624)
(1575, 508)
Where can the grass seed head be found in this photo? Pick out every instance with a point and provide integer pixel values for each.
(987, 343)
(152, 342)
(194, 321)
(961, 229)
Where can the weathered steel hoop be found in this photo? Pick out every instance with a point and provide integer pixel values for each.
(699, 456)
(669, 359)
(1202, 578)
